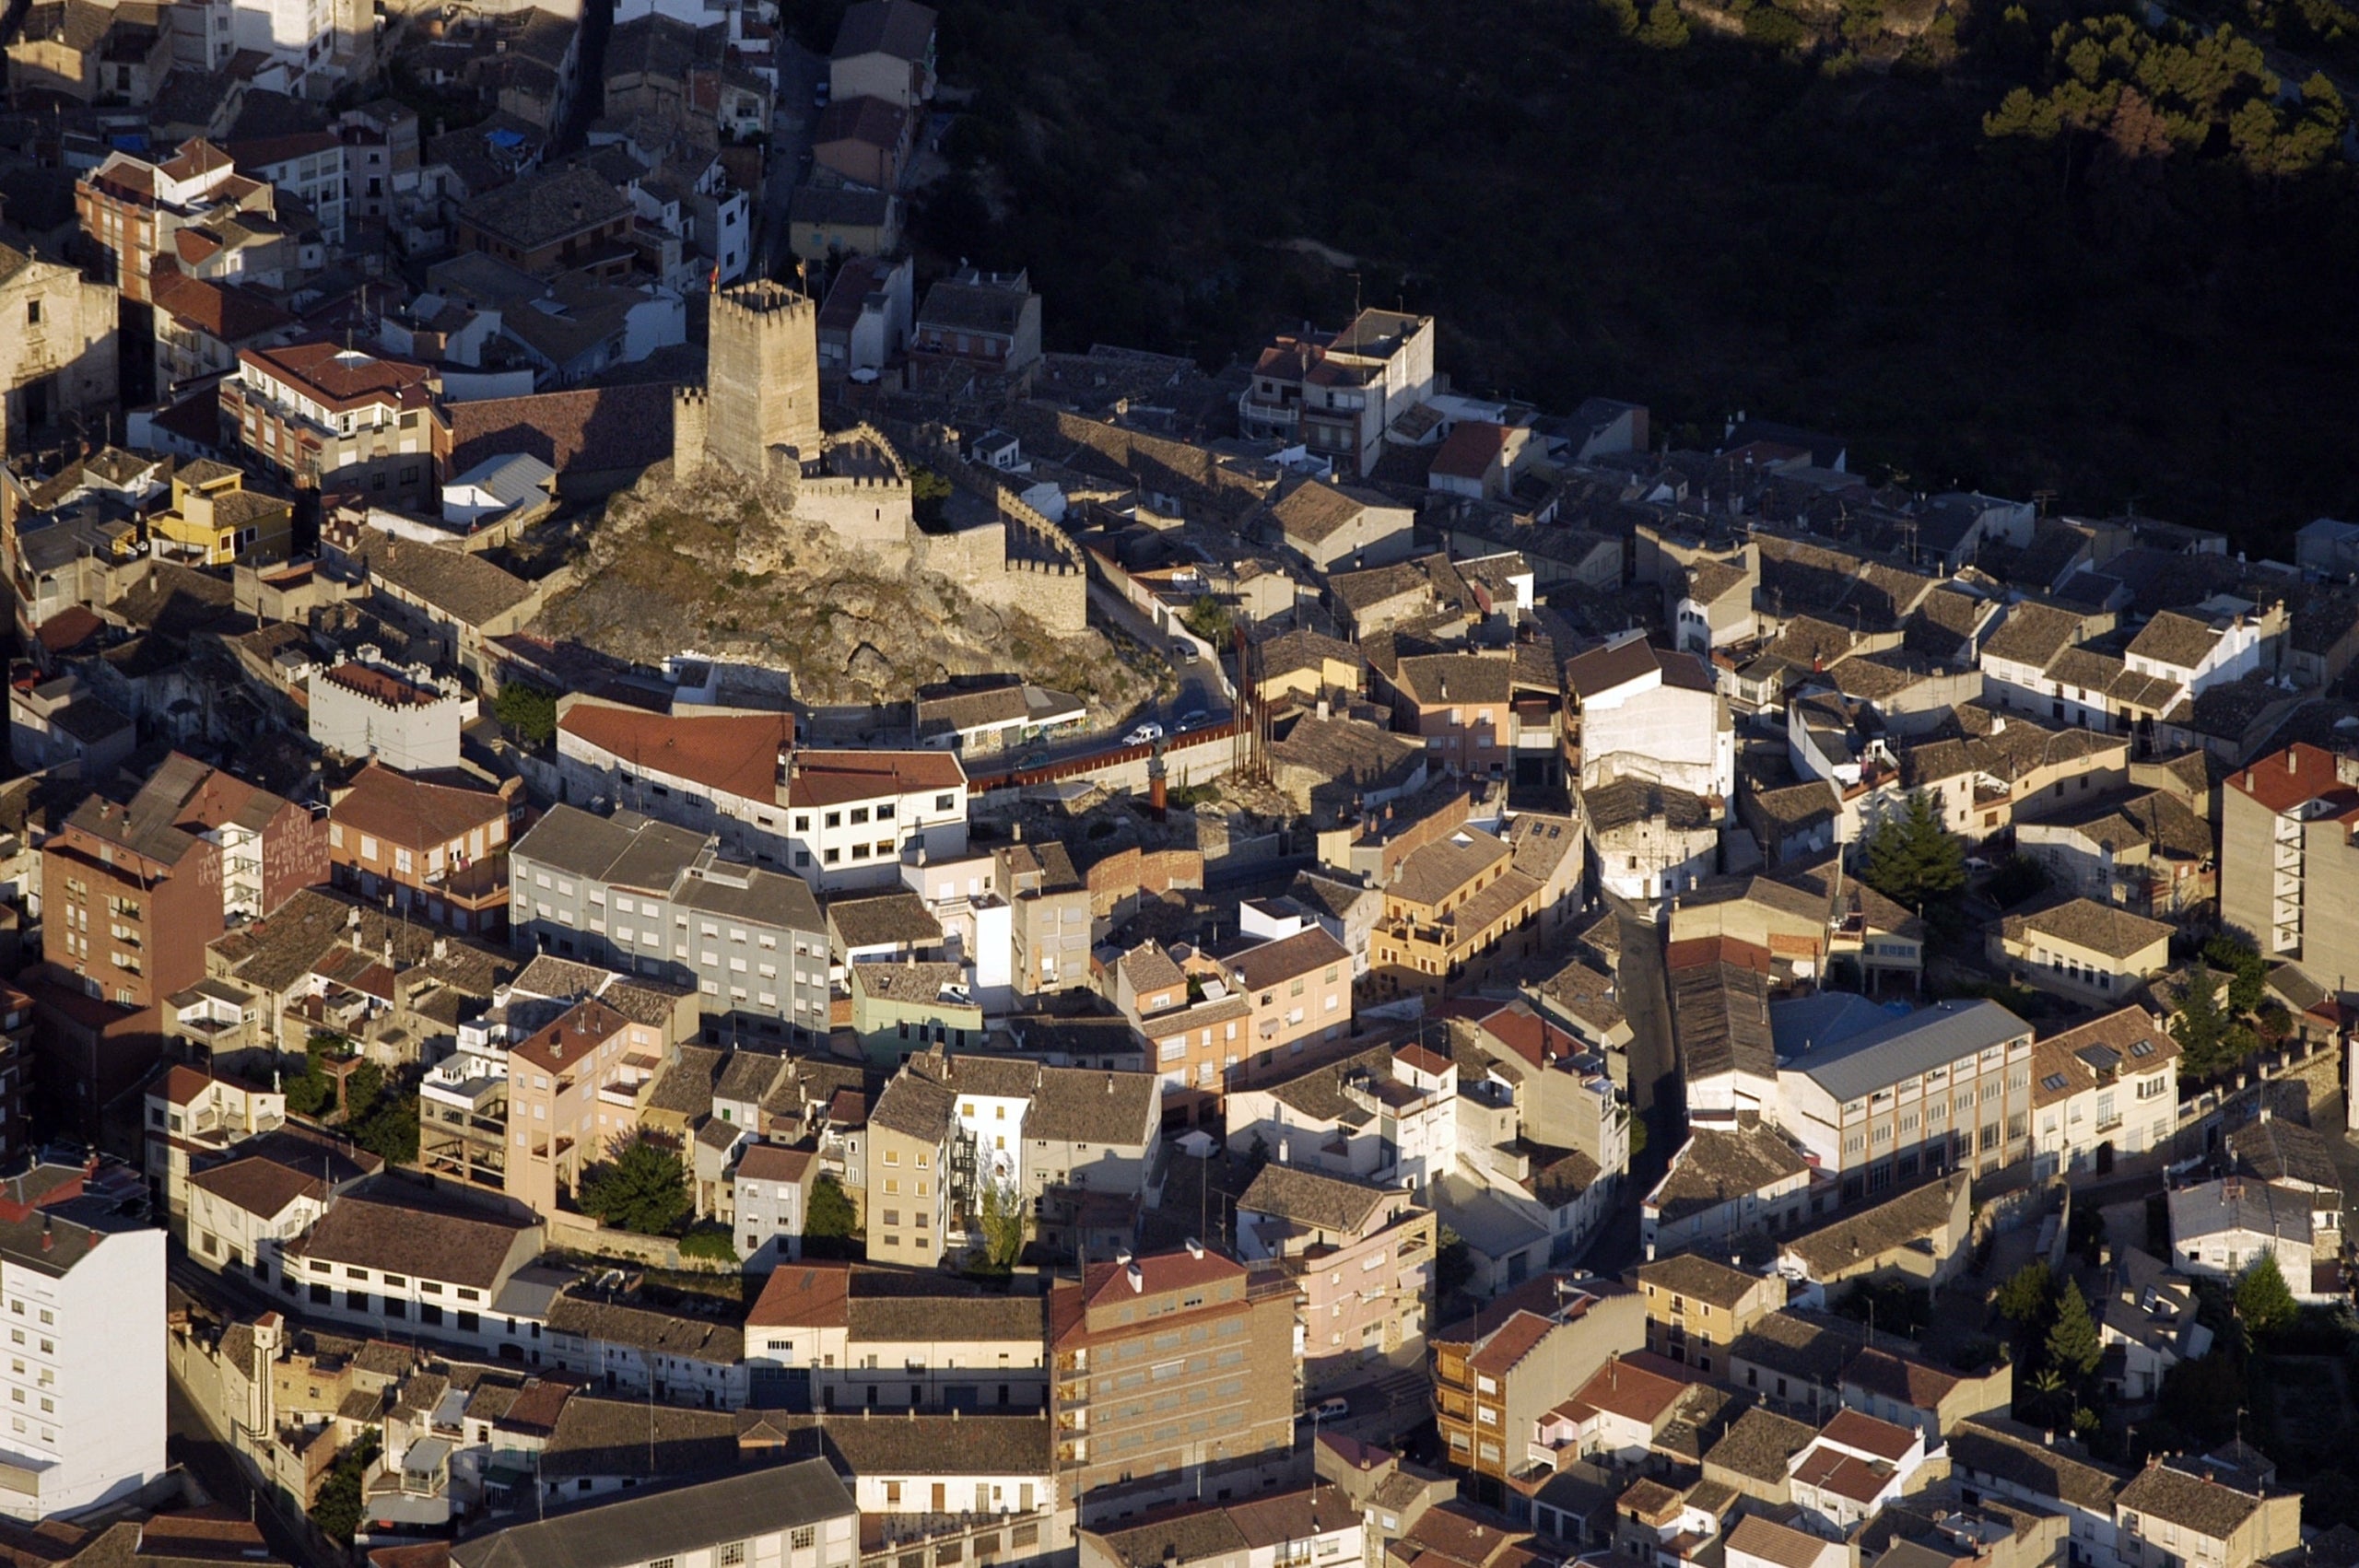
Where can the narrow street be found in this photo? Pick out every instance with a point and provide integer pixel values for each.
(189, 1443)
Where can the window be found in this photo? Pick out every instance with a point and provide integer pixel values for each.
(803, 1538)
(32, 312)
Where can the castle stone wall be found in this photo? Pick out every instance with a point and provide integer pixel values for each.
(762, 377)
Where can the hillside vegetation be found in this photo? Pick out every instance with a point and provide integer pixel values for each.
(2027, 245)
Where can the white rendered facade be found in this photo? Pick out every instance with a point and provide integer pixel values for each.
(86, 1380)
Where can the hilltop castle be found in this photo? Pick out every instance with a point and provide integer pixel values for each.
(757, 414)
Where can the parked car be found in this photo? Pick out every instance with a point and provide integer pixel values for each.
(1329, 1409)
(1182, 649)
(1145, 734)
(1195, 718)
(1033, 759)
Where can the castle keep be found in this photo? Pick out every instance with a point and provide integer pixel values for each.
(757, 414)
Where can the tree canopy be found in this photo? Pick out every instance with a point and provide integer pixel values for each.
(1915, 862)
(2074, 1347)
(2263, 1298)
(643, 1188)
(528, 709)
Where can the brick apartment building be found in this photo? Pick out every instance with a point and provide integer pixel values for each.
(129, 902)
(1216, 1346)
(439, 850)
(338, 420)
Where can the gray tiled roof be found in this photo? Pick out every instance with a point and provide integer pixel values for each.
(642, 1525)
(1907, 1046)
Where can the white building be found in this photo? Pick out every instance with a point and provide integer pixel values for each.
(84, 1291)
(1652, 714)
(853, 817)
(2222, 639)
(406, 718)
(2221, 1228)
(797, 1515)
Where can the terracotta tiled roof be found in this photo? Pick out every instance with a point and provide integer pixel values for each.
(735, 753)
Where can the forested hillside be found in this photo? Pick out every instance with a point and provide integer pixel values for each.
(2036, 247)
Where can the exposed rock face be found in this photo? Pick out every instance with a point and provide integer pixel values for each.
(720, 566)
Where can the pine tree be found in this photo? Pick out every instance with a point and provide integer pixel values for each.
(1913, 860)
(2023, 1300)
(2263, 1298)
(2073, 1343)
(2199, 1023)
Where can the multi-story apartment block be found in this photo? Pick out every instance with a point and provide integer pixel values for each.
(2288, 865)
(1339, 393)
(643, 896)
(132, 211)
(830, 1336)
(269, 846)
(464, 1104)
(1361, 1257)
(339, 419)
(909, 1188)
(1945, 1088)
(402, 717)
(1217, 1345)
(306, 165)
(1497, 1373)
(575, 1087)
(772, 1195)
(838, 819)
(85, 1288)
(2108, 1087)
(438, 850)
(1696, 1307)
(1453, 912)
(128, 902)
(853, 817)
(797, 1517)
(1018, 915)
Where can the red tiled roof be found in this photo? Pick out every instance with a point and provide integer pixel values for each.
(2299, 773)
(768, 1162)
(195, 157)
(222, 311)
(1857, 1429)
(181, 1084)
(607, 428)
(1630, 1392)
(580, 1031)
(69, 627)
(810, 1295)
(344, 379)
(1531, 1036)
(737, 753)
(1695, 952)
(829, 778)
(389, 805)
(1473, 445)
(1509, 1343)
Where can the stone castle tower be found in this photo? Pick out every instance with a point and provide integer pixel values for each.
(761, 391)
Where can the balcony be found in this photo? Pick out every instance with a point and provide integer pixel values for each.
(1254, 414)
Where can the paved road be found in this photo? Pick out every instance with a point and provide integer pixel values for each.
(799, 75)
(1654, 1054)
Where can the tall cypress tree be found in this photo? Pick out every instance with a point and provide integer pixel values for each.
(2073, 1343)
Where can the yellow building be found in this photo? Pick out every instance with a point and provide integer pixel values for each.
(216, 520)
(1453, 911)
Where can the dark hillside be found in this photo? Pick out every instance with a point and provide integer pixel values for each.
(2146, 296)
